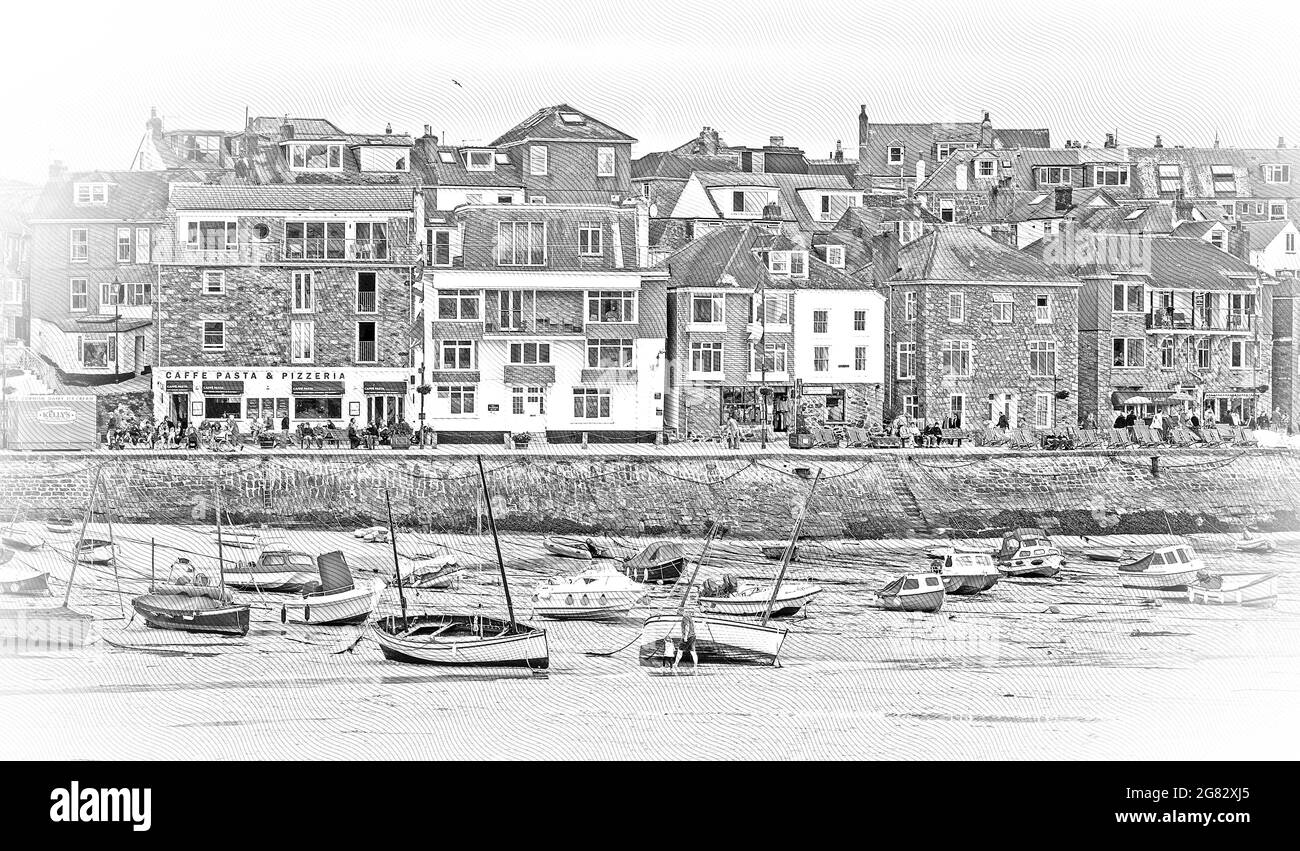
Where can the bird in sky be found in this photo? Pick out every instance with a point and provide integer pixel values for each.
(457, 82)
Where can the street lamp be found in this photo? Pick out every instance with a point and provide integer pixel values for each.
(762, 390)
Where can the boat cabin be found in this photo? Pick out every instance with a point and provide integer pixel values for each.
(1180, 554)
(1029, 540)
(956, 562)
(287, 560)
(919, 583)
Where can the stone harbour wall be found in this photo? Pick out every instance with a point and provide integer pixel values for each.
(860, 495)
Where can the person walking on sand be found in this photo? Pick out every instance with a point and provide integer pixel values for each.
(687, 642)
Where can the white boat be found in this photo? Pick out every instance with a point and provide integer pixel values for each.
(751, 600)
(1255, 544)
(599, 592)
(95, 551)
(1170, 568)
(274, 570)
(340, 599)
(717, 639)
(1235, 589)
(917, 592)
(967, 572)
(16, 539)
(458, 640)
(239, 540)
(1028, 552)
(19, 577)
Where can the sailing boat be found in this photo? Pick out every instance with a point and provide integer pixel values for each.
(461, 640)
(193, 604)
(339, 601)
(20, 539)
(717, 638)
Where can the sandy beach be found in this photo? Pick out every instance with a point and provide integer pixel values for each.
(1072, 667)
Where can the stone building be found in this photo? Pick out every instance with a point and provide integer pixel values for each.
(978, 329)
(750, 307)
(16, 202)
(286, 301)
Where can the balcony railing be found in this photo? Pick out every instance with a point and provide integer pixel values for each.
(1199, 320)
(365, 302)
(366, 351)
(291, 251)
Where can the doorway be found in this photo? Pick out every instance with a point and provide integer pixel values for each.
(178, 409)
(379, 409)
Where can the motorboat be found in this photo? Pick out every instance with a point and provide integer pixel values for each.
(567, 546)
(274, 570)
(338, 600)
(599, 592)
(967, 572)
(1028, 552)
(659, 562)
(1171, 568)
(915, 592)
(1235, 589)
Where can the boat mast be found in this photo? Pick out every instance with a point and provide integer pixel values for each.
(112, 548)
(85, 520)
(686, 592)
(221, 555)
(397, 568)
(492, 523)
(789, 548)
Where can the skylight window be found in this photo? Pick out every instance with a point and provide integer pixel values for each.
(446, 156)
(1136, 214)
(1170, 178)
(572, 118)
(1224, 179)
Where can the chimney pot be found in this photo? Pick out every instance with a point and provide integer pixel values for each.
(1281, 142)
(1159, 143)
(428, 129)
(864, 110)
(388, 129)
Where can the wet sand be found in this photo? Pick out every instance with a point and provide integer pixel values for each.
(1070, 667)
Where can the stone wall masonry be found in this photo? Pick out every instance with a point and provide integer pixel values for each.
(861, 494)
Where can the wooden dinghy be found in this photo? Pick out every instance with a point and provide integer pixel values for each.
(1028, 552)
(567, 546)
(751, 600)
(18, 577)
(95, 551)
(594, 594)
(659, 562)
(1235, 589)
(1104, 554)
(339, 599)
(59, 525)
(1170, 568)
(193, 608)
(275, 570)
(717, 639)
(917, 592)
(967, 572)
(438, 572)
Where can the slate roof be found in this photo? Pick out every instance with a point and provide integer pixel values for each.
(1176, 263)
(919, 141)
(303, 128)
(562, 237)
(666, 165)
(1196, 170)
(1194, 229)
(132, 195)
(734, 252)
(787, 186)
(547, 124)
(957, 253)
(1262, 234)
(291, 197)
(456, 174)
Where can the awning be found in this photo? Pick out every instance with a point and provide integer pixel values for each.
(223, 388)
(180, 386)
(529, 374)
(316, 388)
(607, 377)
(384, 388)
(1157, 397)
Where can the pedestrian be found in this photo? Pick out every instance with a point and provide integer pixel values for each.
(1158, 424)
(232, 433)
(354, 439)
(732, 432)
(1131, 419)
(192, 438)
(688, 641)
(1120, 421)
(1003, 422)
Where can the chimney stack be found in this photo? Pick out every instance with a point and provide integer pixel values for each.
(838, 156)
(57, 170)
(154, 124)
(1281, 142)
(428, 130)
(1159, 143)
(776, 142)
(1110, 141)
(286, 129)
(986, 132)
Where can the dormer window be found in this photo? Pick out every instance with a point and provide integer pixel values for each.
(1277, 174)
(200, 149)
(896, 154)
(1224, 178)
(480, 160)
(792, 263)
(1170, 178)
(90, 193)
(1110, 175)
(984, 168)
(382, 158)
(316, 157)
(447, 157)
(943, 150)
(835, 256)
(1054, 176)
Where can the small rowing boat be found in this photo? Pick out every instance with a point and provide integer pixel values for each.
(717, 639)
(95, 551)
(191, 608)
(438, 572)
(775, 552)
(967, 572)
(239, 540)
(339, 599)
(1255, 543)
(59, 525)
(1093, 552)
(751, 600)
(567, 546)
(1170, 568)
(659, 562)
(599, 592)
(1235, 589)
(917, 592)
(275, 570)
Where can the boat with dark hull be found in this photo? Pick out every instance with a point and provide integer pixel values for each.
(775, 552)
(192, 609)
(661, 561)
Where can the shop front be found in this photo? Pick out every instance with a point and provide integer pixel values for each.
(746, 405)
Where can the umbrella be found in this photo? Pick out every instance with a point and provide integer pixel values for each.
(1137, 400)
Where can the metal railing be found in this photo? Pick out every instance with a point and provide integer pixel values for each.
(313, 250)
(1199, 320)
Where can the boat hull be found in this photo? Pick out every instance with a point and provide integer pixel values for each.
(526, 648)
(1177, 580)
(776, 553)
(668, 571)
(964, 584)
(788, 604)
(926, 601)
(20, 541)
(568, 606)
(192, 614)
(237, 540)
(1246, 589)
(1104, 554)
(44, 629)
(59, 526)
(568, 549)
(1255, 545)
(35, 584)
(95, 555)
(337, 609)
(1045, 566)
(293, 581)
(717, 639)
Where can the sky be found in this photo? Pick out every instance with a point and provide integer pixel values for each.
(82, 76)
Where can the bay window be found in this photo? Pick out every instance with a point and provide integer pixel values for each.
(609, 354)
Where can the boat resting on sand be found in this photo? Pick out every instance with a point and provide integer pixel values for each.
(776, 552)
(193, 608)
(599, 592)
(567, 546)
(59, 525)
(661, 561)
(1171, 568)
(1255, 544)
(275, 570)
(462, 641)
(239, 540)
(1028, 552)
(967, 572)
(1235, 589)
(717, 639)
(751, 600)
(18, 577)
(95, 551)
(339, 599)
(16, 539)
(438, 572)
(916, 592)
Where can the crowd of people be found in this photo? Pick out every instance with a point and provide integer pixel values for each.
(126, 429)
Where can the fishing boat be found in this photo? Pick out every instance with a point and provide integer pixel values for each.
(18, 577)
(567, 546)
(1028, 552)
(59, 525)
(1235, 589)
(437, 572)
(752, 600)
(775, 552)
(1255, 543)
(95, 551)
(274, 570)
(916, 592)
(339, 599)
(967, 572)
(599, 592)
(461, 640)
(239, 540)
(661, 561)
(1170, 568)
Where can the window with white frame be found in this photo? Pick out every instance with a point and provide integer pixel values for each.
(302, 340)
(604, 162)
(214, 281)
(109, 295)
(956, 307)
(78, 245)
(214, 335)
(947, 210)
(302, 240)
(908, 230)
(821, 321)
(1242, 354)
(906, 362)
(1288, 243)
(1003, 309)
(315, 156)
(1055, 175)
(1042, 357)
(912, 407)
(479, 161)
(531, 400)
(456, 399)
(589, 240)
(767, 357)
(460, 304)
(1167, 353)
(708, 309)
(521, 243)
(1276, 210)
(85, 194)
(97, 351)
(909, 306)
(124, 245)
(860, 358)
(1276, 173)
(142, 252)
(611, 306)
(1169, 178)
(1229, 210)
(859, 320)
(821, 358)
(1128, 352)
(304, 291)
(1043, 413)
(79, 295)
(778, 262)
(1043, 309)
(1216, 239)
(367, 341)
(213, 235)
(505, 199)
(591, 403)
(772, 308)
(537, 159)
(984, 168)
(706, 359)
(798, 264)
(609, 354)
(835, 256)
(956, 357)
(530, 353)
(1110, 175)
(138, 294)
(437, 247)
(456, 354)
(896, 154)
(1127, 297)
(1204, 359)
(943, 150)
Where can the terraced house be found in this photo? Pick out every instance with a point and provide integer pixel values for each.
(286, 301)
